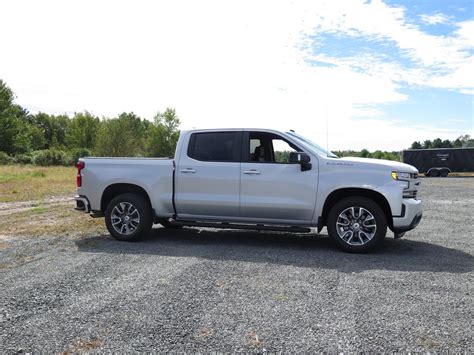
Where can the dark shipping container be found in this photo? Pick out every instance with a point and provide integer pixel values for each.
(440, 161)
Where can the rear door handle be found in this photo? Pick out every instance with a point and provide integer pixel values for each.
(188, 171)
(252, 172)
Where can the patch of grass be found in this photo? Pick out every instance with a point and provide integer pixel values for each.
(427, 342)
(38, 174)
(281, 297)
(163, 281)
(24, 182)
(205, 332)
(462, 174)
(57, 220)
(39, 210)
(255, 341)
(82, 346)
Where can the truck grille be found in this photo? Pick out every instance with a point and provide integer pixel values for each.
(413, 185)
(410, 194)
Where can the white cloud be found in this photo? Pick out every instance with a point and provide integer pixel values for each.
(238, 63)
(376, 20)
(435, 19)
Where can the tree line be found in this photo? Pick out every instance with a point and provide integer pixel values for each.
(364, 153)
(463, 141)
(46, 139)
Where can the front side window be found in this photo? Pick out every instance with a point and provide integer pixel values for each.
(282, 151)
(269, 148)
(214, 146)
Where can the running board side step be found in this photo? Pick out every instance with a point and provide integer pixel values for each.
(224, 225)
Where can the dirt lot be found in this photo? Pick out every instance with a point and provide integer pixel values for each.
(67, 286)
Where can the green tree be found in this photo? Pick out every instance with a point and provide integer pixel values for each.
(11, 117)
(364, 153)
(437, 143)
(164, 134)
(457, 143)
(446, 144)
(43, 121)
(466, 141)
(121, 137)
(427, 144)
(28, 138)
(82, 131)
(416, 145)
(396, 156)
(60, 127)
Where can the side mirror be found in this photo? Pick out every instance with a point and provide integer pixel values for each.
(301, 158)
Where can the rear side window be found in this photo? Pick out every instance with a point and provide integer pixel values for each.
(215, 146)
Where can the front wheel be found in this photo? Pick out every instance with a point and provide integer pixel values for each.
(357, 224)
(128, 217)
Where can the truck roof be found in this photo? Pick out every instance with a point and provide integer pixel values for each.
(231, 129)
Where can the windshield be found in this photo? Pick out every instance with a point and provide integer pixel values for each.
(311, 145)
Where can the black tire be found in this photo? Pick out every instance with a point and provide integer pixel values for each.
(361, 228)
(434, 172)
(444, 173)
(169, 225)
(131, 232)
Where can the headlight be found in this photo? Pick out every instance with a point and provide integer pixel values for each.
(400, 176)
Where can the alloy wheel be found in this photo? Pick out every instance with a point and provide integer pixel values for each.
(356, 226)
(125, 218)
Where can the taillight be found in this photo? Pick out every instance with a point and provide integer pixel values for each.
(80, 165)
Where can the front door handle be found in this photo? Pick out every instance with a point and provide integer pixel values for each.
(252, 172)
(188, 171)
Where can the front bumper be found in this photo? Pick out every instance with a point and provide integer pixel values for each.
(410, 218)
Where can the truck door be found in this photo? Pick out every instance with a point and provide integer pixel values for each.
(272, 189)
(208, 175)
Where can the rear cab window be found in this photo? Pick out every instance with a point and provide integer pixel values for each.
(215, 146)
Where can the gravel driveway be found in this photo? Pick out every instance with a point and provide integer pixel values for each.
(203, 290)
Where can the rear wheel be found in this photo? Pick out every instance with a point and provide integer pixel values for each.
(128, 217)
(444, 173)
(434, 173)
(357, 224)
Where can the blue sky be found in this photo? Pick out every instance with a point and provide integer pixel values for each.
(446, 107)
(372, 74)
(424, 104)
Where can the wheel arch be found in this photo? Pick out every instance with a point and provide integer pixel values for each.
(114, 190)
(342, 193)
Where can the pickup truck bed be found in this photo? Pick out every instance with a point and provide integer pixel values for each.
(103, 176)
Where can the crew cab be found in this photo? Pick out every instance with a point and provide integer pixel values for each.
(257, 179)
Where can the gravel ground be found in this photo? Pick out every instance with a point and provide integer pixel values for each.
(212, 290)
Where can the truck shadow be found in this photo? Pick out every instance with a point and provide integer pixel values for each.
(301, 250)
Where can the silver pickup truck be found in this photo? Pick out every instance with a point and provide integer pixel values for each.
(252, 179)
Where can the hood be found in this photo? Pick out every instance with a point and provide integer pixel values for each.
(393, 165)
